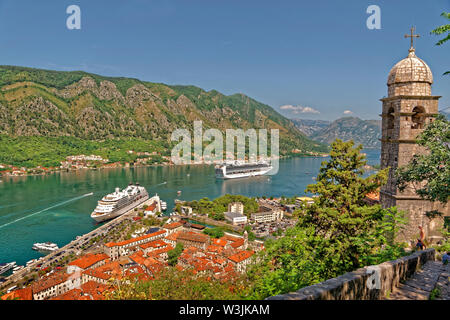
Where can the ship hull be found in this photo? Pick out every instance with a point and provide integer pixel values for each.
(116, 213)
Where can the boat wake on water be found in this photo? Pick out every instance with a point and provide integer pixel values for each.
(43, 210)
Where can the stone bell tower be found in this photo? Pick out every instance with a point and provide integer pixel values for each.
(408, 108)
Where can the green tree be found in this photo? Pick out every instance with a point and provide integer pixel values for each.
(429, 173)
(339, 212)
(340, 232)
(444, 29)
(214, 232)
(174, 254)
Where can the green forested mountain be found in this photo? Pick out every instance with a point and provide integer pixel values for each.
(47, 105)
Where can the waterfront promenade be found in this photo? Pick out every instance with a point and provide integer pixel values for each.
(73, 247)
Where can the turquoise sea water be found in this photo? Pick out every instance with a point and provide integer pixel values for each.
(57, 207)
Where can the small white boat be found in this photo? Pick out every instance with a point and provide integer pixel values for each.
(17, 269)
(163, 205)
(45, 247)
(32, 261)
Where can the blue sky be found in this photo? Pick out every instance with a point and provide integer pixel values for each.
(314, 55)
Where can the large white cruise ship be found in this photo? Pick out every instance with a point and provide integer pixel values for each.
(237, 169)
(119, 202)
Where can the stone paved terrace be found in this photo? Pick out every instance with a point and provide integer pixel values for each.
(432, 275)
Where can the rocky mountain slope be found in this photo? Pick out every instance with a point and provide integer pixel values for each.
(365, 132)
(36, 102)
(309, 127)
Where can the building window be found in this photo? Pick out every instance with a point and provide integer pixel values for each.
(418, 118)
(390, 119)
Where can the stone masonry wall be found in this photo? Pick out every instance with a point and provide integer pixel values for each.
(354, 286)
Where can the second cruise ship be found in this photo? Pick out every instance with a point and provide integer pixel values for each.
(238, 169)
(117, 203)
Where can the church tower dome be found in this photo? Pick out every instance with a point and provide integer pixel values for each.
(410, 76)
(410, 69)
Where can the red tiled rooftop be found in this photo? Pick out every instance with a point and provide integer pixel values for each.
(241, 256)
(172, 225)
(220, 242)
(20, 294)
(48, 282)
(88, 260)
(122, 243)
(153, 244)
(193, 236)
(106, 272)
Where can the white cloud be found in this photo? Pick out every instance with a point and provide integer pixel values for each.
(298, 109)
(348, 112)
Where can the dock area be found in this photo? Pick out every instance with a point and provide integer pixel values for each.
(73, 247)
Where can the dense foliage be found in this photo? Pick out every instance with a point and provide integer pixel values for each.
(33, 151)
(218, 206)
(214, 232)
(337, 234)
(172, 284)
(430, 173)
(444, 29)
(174, 254)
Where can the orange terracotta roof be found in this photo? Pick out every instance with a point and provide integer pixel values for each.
(74, 294)
(160, 251)
(136, 273)
(172, 225)
(151, 207)
(122, 243)
(20, 294)
(88, 260)
(193, 236)
(214, 248)
(236, 244)
(106, 272)
(153, 244)
(173, 236)
(241, 256)
(90, 290)
(138, 257)
(48, 282)
(220, 242)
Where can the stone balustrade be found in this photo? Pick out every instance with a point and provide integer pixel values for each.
(369, 283)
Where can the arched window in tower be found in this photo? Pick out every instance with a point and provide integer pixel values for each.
(390, 119)
(418, 118)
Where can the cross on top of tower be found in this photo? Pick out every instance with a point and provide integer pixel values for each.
(412, 36)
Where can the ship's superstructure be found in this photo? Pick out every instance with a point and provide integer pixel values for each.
(117, 203)
(45, 247)
(238, 169)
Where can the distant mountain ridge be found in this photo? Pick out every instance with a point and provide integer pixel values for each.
(46, 103)
(365, 132)
(309, 127)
